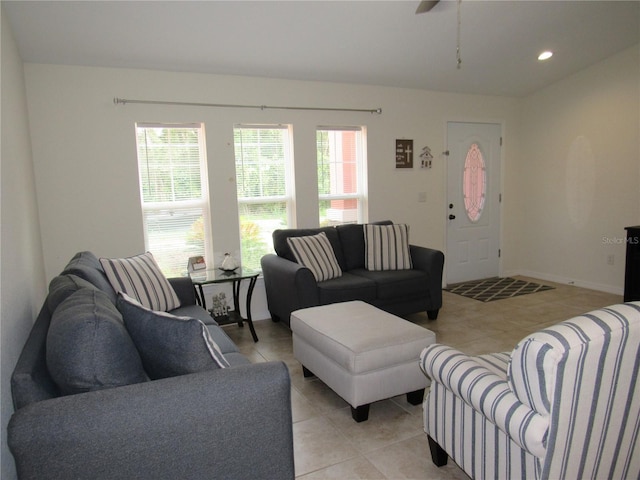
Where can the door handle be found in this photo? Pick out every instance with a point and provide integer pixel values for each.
(452, 217)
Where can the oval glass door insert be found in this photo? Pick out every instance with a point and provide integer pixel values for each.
(474, 183)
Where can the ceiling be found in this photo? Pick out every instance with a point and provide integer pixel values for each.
(365, 42)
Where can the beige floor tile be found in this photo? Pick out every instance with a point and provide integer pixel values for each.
(318, 444)
(387, 424)
(498, 343)
(301, 408)
(410, 459)
(276, 349)
(401, 401)
(320, 395)
(354, 469)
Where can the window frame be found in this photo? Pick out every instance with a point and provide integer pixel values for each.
(288, 198)
(183, 205)
(361, 173)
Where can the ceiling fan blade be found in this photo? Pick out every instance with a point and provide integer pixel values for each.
(426, 5)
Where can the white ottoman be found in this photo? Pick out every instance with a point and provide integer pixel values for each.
(363, 353)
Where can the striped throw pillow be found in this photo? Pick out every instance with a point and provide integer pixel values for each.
(316, 253)
(387, 247)
(141, 278)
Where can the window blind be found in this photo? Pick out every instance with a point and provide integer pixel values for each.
(173, 192)
(263, 164)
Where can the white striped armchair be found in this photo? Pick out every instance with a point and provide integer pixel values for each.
(564, 404)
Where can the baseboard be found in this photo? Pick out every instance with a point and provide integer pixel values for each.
(567, 281)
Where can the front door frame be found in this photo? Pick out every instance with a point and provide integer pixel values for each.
(445, 213)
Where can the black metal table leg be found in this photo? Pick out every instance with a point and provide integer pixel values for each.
(236, 300)
(252, 283)
(200, 297)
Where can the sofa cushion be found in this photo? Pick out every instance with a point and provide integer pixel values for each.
(194, 311)
(351, 237)
(62, 287)
(169, 346)
(352, 241)
(282, 248)
(387, 247)
(87, 266)
(396, 284)
(88, 347)
(140, 278)
(219, 336)
(345, 288)
(315, 253)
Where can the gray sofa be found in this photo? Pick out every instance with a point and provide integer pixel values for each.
(220, 423)
(291, 286)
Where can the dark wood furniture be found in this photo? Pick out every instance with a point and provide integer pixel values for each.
(632, 266)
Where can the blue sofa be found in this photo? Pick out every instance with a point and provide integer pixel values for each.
(221, 423)
(291, 286)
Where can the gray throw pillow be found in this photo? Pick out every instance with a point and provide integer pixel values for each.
(168, 345)
(62, 287)
(87, 266)
(88, 347)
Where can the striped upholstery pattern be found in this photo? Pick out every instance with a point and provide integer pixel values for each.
(387, 247)
(141, 278)
(316, 253)
(563, 404)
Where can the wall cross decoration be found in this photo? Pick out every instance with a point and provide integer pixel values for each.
(404, 153)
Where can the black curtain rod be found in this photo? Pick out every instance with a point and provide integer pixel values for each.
(124, 101)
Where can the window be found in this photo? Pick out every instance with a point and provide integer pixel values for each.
(265, 191)
(173, 190)
(474, 183)
(341, 175)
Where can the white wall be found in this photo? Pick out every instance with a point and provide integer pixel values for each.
(579, 179)
(22, 281)
(85, 159)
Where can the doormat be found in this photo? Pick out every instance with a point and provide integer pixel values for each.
(490, 289)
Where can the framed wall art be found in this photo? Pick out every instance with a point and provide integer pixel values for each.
(404, 153)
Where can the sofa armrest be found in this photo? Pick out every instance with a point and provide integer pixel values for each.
(487, 393)
(430, 261)
(226, 423)
(289, 286)
(184, 289)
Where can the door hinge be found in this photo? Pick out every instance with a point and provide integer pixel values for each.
(499, 198)
(500, 141)
(499, 253)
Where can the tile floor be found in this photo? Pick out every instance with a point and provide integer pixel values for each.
(392, 444)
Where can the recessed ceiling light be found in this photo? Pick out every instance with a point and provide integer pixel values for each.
(545, 55)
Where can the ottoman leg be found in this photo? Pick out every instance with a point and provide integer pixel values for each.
(415, 397)
(361, 413)
(306, 373)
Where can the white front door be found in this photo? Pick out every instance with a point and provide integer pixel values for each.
(473, 201)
